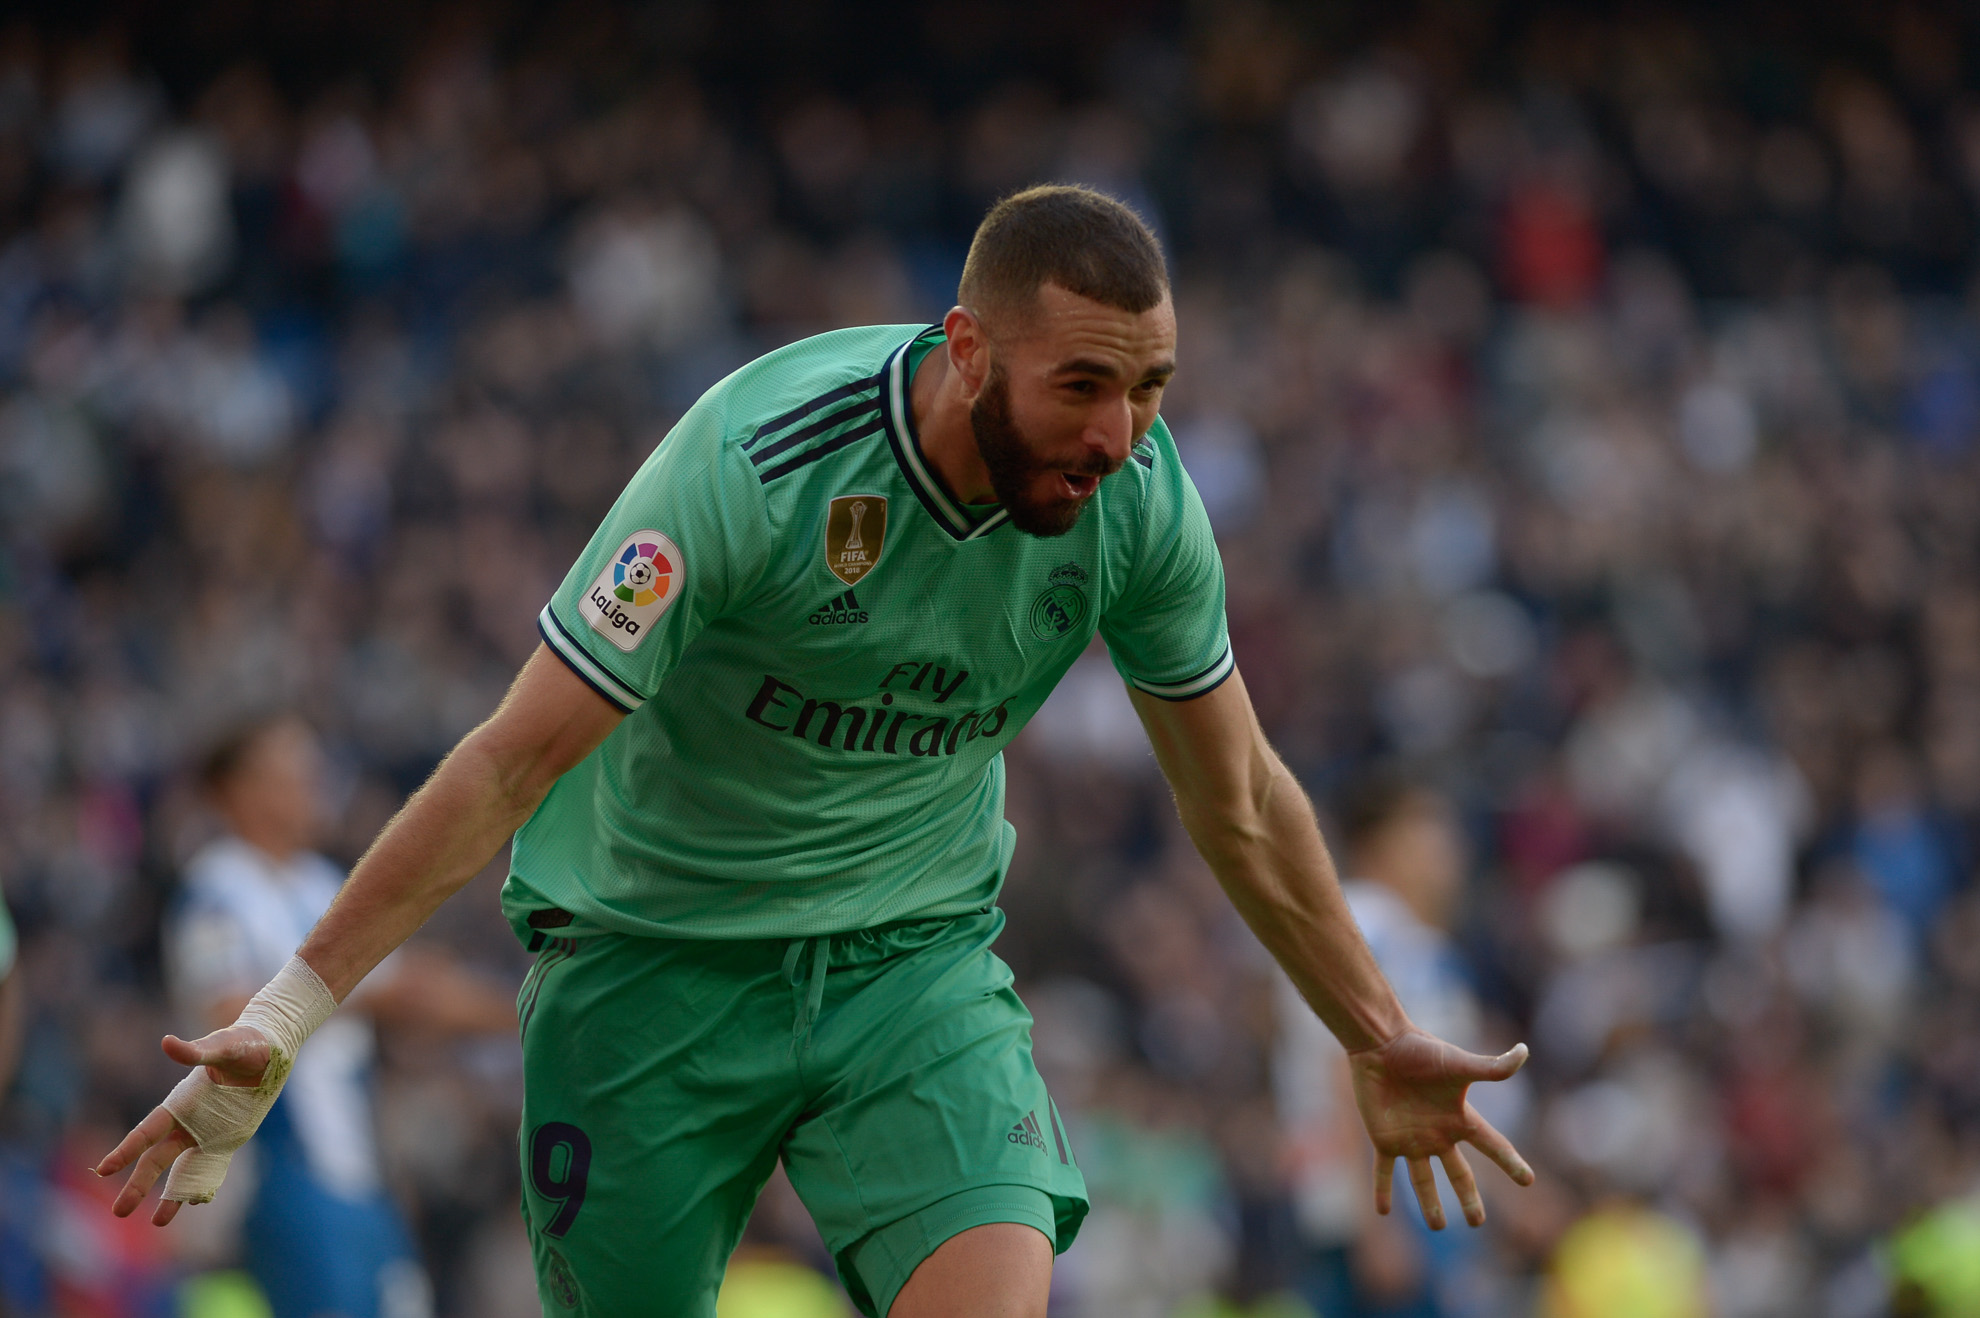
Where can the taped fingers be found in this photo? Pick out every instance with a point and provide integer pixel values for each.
(197, 1175)
(146, 1170)
(219, 1118)
(235, 1077)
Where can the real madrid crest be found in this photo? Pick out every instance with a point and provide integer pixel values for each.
(1061, 606)
(855, 530)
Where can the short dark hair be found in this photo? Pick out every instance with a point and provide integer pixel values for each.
(227, 754)
(1084, 241)
(1374, 802)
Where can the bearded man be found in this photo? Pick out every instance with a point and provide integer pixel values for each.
(755, 784)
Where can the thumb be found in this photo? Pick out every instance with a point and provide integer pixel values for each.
(1471, 1066)
(238, 1048)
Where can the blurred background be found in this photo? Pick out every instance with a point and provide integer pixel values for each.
(1586, 399)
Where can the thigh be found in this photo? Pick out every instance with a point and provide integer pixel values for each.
(932, 1097)
(985, 1251)
(997, 1270)
(658, 1083)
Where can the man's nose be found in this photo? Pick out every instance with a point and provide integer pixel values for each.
(1110, 430)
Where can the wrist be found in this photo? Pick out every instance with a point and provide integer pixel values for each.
(290, 1007)
(1377, 1031)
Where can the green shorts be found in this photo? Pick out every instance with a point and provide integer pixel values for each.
(890, 1069)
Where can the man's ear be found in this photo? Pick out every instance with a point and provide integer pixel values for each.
(969, 350)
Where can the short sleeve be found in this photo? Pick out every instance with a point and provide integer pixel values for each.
(1166, 632)
(681, 547)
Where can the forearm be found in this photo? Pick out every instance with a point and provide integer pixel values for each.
(450, 829)
(1266, 851)
(442, 837)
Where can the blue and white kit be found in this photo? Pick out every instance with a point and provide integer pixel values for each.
(321, 1235)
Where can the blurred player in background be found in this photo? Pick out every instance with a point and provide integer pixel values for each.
(1405, 858)
(322, 1234)
(760, 856)
(13, 1001)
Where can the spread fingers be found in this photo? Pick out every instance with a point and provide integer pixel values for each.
(150, 1165)
(156, 1126)
(1425, 1182)
(1465, 1184)
(1498, 1148)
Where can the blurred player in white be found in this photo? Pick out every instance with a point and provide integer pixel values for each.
(1405, 856)
(322, 1235)
(13, 1001)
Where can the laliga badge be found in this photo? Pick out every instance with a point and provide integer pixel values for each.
(628, 597)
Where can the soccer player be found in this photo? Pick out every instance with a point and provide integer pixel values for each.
(13, 1001)
(321, 1234)
(754, 782)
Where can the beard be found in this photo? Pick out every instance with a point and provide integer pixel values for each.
(1014, 466)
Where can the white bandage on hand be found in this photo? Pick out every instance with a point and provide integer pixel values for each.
(222, 1117)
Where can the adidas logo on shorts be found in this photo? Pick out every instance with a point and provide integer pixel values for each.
(1026, 1132)
(838, 611)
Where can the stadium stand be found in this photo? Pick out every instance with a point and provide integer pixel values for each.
(1587, 404)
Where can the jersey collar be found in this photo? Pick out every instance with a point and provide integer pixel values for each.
(960, 520)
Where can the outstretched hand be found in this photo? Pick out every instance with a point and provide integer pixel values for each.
(234, 1056)
(1411, 1092)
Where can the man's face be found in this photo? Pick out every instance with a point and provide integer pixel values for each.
(273, 797)
(1420, 854)
(1068, 394)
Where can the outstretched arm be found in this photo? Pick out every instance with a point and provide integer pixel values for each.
(446, 833)
(1255, 828)
(485, 790)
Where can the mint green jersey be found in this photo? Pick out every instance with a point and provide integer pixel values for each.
(822, 655)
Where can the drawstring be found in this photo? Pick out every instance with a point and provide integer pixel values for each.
(807, 991)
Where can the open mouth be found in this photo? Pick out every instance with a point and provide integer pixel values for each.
(1078, 486)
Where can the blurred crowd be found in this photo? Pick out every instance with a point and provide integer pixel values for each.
(1588, 409)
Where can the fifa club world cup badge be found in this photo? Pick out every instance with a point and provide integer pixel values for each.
(855, 529)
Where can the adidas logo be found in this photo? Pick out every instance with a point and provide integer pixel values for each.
(838, 611)
(1026, 1132)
